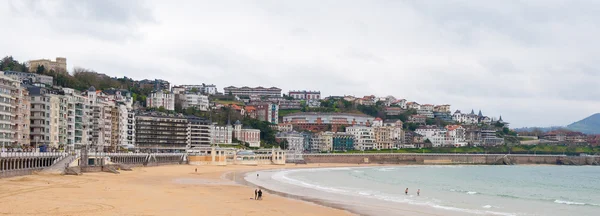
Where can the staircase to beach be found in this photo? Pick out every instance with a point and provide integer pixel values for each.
(59, 167)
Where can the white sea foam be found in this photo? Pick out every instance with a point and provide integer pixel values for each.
(281, 176)
(471, 192)
(486, 206)
(387, 169)
(568, 202)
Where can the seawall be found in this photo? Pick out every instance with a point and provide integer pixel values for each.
(489, 159)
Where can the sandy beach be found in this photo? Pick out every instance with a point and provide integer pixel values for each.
(164, 190)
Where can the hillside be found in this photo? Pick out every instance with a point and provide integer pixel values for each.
(589, 125)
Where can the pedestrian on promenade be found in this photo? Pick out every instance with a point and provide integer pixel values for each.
(196, 170)
(255, 194)
(259, 194)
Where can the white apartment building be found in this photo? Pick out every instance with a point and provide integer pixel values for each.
(7, 111)
(221, 134)
(197, 101)
(126, 126)
(158, 99)
(458, 135)
(364, 137)
(465, 118)
(305, 95)
(295, 142)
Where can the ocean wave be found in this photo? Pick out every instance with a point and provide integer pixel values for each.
(568, 202)
(281, 176)
(386, 169)
(575, 203)
(486, 206)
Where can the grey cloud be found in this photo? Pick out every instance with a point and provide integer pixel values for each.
(107, 20)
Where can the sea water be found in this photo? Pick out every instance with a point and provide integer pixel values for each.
(455, 190)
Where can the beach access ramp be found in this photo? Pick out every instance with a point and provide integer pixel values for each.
(59, 167)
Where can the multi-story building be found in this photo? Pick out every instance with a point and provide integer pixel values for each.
(343, 142)
(445, 108)
(200, 132)
(156, 84)
(394, 111)
(126, 125)
(247, 91)
(419, 119)
(399, 103)
(322, 121)
(268, 112)
(161, 132)
(40, 115)
(465, 118)
(29, 77)
(321, 142)
(79, 119)
(221, 134)
(426, 110)
(246, 135)
(8, 86)
(444, 116)
(458, 134)
(158, 99)
(21, 119)
(60, 65)
(115, 135)
(295, 142)
(489, 138)
(364, 137)
(101, 127)
(197, 101)
(388, 137)
(413, 105)
(305, 95)
(197, 89)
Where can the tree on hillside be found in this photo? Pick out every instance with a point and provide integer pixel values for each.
(10, 64)
(40, 69)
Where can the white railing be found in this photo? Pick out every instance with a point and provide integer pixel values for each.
(33, 154)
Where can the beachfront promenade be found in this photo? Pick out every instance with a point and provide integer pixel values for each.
(26, 163)
(441, 158)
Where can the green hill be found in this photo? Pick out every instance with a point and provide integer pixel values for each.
(589, 125)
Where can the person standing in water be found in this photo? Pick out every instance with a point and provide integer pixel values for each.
(256, 175)
(418, 192)
(406, 191)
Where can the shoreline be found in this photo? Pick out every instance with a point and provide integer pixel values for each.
(242, 181)
(375, 207)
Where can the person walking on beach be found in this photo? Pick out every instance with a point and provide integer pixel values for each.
(418, 192)
(259, 194)
(255, 194)
(406, 191)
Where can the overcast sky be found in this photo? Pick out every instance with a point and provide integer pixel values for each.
(533, 62)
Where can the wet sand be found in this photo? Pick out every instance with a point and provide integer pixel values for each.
(164, 190)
